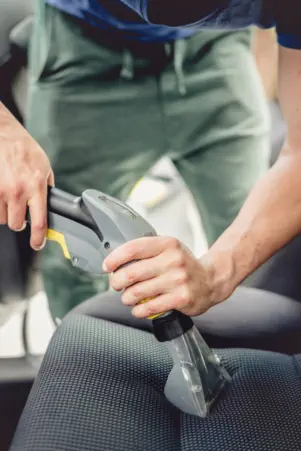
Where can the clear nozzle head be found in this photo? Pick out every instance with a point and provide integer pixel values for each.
(197, 378)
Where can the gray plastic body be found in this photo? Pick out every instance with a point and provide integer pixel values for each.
(117, 222)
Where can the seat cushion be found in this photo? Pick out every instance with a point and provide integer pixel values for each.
(101, 384)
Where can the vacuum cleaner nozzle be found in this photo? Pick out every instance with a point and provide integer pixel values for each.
(197, 377)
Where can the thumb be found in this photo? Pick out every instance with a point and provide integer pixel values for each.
(50, 180)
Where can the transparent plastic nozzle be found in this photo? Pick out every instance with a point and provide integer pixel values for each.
(197, 378)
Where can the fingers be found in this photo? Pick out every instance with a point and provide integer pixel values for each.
(176, 300)
(24, 172)
(38, 213)
(139, 271)
(165, 283)
(161, 304)
(141, 248)
(50, 180)
(148, 268)
(144, 290)
(3, 212)
(162, 271)
(16, 211)
(38, 219)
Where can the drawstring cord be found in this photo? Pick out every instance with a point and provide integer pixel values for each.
(128, 70)
(180, 47)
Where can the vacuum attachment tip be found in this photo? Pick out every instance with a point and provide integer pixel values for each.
(197, 378)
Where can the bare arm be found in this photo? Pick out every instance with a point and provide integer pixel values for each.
(271, 216)
(172, 278)
(24, 173)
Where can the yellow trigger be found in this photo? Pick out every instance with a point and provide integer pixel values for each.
(53, 235)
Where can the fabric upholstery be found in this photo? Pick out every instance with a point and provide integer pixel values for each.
(100, 387)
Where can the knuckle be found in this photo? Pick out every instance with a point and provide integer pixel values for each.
(190, 300)
(135, 294)
(114, 285)
(131, 250)
(181, 277)
(151, 310)
(179, 258)
(39, 225)
(114, 282)
(172, 243)
(180, 299)
(15, 191)
(131, 276)
(39, 178)
(5, 188)
(184, 296)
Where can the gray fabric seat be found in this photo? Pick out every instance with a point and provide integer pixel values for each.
(250, 318)
(100, 387)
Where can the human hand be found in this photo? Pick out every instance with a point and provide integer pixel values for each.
(25, 173)
(163, 271)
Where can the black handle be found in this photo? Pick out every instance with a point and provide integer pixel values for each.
(171, 325)
(68, 206)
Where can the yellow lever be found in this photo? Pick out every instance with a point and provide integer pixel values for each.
(53, 235)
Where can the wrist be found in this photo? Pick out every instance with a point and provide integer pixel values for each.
(229, 261)
(220, 269)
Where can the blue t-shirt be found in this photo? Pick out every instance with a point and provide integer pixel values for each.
(164, 20)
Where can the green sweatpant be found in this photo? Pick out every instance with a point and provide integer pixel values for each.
(105, 109)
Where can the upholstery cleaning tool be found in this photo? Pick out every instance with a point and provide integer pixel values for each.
(88, 228)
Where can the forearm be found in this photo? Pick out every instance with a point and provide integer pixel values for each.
(269, 219)
(271, 216)
(10, 126)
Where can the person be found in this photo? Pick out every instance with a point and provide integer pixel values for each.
(110, 95)
(166, 272)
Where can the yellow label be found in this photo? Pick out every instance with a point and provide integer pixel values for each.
(53, 235)
(153, 316)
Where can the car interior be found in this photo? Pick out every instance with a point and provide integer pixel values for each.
(125, 407)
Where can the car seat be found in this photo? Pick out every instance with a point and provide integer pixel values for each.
(250, 318)
(100, 387)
